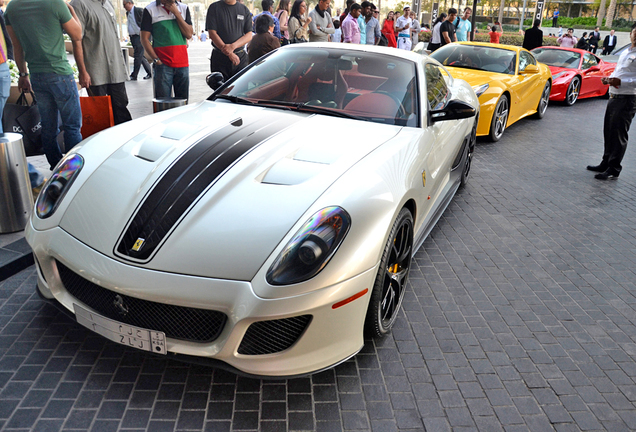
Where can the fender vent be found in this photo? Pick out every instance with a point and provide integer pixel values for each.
(268, 337)
(177, 322)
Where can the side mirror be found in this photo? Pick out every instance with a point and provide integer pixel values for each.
(454, 110)
(215, 80)
(531, 69)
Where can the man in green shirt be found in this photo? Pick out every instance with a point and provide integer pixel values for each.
(35, 28)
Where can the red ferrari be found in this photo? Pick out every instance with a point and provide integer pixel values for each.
(575, 73)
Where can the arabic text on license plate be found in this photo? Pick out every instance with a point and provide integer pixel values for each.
(143, 339)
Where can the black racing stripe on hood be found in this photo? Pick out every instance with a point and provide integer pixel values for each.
(191, 175)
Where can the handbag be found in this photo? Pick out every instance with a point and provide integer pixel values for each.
(295, 38)
(24, 119)
(383, 40)
(97, 114)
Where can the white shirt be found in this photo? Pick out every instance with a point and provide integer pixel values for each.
(402, 22)
(626, 71)
(436, 37)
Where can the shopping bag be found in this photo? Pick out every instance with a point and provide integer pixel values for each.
(24, 119)
(97, 114)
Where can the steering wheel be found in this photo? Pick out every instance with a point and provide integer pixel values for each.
(401, 112)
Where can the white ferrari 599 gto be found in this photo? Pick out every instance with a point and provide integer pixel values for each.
(268, 227)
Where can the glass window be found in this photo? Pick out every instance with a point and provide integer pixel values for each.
(588, 61)
(477, 57)
(340, 82)
(525, 59)
(557, 57)
(436, 88)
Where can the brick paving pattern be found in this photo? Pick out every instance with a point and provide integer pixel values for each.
(520, 314)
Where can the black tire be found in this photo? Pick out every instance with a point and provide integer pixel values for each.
(470, 149)
(572, 95)
(543, 102)
(390, 282)
(499, 119)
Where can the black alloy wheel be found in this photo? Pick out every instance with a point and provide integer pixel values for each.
(390, 282)
(573, 91)
(544, 101)
(499, 119)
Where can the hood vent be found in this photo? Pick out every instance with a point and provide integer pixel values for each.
(190, 176)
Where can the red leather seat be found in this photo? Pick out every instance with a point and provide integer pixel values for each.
(374, 105)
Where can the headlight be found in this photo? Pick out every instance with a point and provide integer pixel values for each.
(57, 186)
(479, 90)
(311, 248)
(558, 75)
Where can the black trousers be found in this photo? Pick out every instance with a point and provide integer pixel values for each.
(618, 118)
(219, 62)
(608, 50)
(118, 99)
(139, 58)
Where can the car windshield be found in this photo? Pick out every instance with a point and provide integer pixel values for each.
(558, 58)
(339, 82)
(477, 57)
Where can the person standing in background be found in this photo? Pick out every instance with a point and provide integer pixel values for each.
(595, 37)
(567, 40)
(403, 29)
(388, 30)
(372, 27)
(321, 25)
(533, 38)
(555, 18)
(268, 8)
(102, 55)
(51, 74)
(170, 25)
(282, 14)
(495, 35)
(415, 29)
(229, 25)
(582, 43)
(436, 36)
(337, 34)
(447, 29)
(464, 27)
(609, 43)
(350, 27)
(366, 6)
(298, 24)
(133, 17)
(264, 40)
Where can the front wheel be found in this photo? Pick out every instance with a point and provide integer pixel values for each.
(573, 91)
(499, 119)
(390, 282)
(470, 149)
(543, 102)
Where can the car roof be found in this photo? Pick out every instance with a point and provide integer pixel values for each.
(408, 55)
(493, 45)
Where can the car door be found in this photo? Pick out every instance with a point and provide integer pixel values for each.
(438, 139)
(528, 87)
(591, 74)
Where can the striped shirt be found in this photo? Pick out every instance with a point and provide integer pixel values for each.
(168, 41)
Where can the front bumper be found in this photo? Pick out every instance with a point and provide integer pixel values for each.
(332, 336)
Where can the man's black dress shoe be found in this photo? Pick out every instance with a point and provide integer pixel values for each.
(148, 76)
(609, 174)
(132, 78)
(597, 168)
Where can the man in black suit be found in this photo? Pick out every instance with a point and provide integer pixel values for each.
(134, 15)
(609, 43)
(533, 37)
(595, 37)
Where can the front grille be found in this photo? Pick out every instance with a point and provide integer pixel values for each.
(268, 337)
(178, 322)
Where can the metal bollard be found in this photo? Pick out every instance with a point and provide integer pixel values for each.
(16, 198)
(162, 104)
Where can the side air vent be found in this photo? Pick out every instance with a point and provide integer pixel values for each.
(268, 337)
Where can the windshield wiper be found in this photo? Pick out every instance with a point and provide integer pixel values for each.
(235, 99)
(298, 106)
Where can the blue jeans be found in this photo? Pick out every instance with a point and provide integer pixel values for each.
(57, 94)
(167, 77)
(5, 88)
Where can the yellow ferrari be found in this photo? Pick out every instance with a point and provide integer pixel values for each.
(508, 81)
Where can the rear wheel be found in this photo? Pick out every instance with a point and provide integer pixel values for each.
(390, 282)
(499, 119)
(573, 91)
(544, 101)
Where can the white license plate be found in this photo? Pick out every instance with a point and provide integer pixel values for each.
(124, 334)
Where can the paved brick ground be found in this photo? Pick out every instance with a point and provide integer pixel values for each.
(520, 315)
